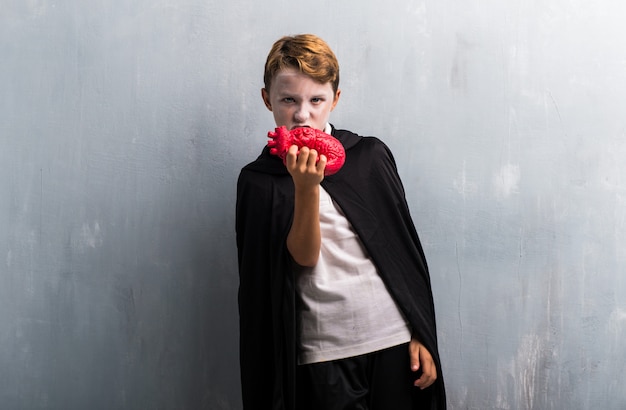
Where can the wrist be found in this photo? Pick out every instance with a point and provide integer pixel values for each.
(307, 191)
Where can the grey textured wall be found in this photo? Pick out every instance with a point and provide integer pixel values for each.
(123, 126)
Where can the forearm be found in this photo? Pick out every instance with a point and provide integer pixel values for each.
(304, 238)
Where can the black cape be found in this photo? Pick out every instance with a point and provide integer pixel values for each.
(369, 191)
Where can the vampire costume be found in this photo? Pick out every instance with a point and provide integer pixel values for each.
(370, 193)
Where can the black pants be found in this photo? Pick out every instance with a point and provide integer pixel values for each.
(381, 380)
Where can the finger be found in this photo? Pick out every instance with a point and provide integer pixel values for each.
(427, 379)
(424, 382)
(414, 352)
(303, 156)
(312, 158)
(321, 164)
(292, 156)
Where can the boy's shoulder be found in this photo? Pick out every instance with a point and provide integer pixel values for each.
(351, 139)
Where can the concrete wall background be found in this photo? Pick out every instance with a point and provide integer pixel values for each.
(123, 127)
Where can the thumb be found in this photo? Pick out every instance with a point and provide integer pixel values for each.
(414, 352)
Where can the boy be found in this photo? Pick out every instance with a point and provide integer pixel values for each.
(335, 302)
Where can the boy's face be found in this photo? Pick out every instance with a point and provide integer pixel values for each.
(296, 100)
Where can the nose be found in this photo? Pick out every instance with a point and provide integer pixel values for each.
(301, 115)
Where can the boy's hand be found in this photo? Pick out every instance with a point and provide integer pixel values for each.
(422, 359)
(305, 167)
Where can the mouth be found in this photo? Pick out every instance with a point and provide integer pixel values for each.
(300, 126)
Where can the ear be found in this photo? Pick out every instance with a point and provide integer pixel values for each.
(266, 98)
(336, 99)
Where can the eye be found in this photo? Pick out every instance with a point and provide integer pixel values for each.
(288, 99)
(316, 100)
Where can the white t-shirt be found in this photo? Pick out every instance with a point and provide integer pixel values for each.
(344, 307)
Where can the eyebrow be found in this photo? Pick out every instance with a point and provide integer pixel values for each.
(294, 95)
